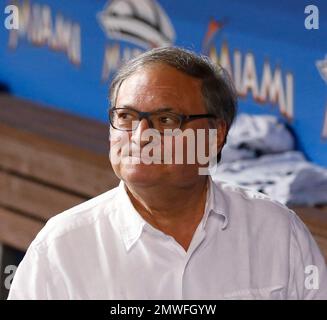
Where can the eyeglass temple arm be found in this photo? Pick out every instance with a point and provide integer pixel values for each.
(199, 116)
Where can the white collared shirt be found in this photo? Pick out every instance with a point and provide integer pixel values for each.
(245, 247)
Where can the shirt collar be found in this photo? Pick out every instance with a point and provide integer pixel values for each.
(131, 223)
(216, 203)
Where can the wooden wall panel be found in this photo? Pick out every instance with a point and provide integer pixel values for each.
(49, 162)
(34, 199)
(16, 230)
(64, 166)
(316, 221)
(54, 124)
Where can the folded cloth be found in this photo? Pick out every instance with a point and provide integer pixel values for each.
(230, 154)
(286, 177)
(305, 185)
(260, 133)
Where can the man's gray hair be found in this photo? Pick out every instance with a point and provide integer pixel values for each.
(217, 88)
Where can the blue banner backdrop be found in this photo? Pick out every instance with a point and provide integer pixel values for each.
(65, 52)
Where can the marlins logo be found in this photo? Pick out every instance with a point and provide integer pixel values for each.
(141, 22)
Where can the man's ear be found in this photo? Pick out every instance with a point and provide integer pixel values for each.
(221, 128)
(217, 138)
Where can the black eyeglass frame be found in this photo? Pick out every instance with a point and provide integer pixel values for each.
(145, 115)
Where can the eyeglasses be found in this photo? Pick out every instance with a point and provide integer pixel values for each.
(128, 119)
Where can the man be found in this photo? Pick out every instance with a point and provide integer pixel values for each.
(168, 231)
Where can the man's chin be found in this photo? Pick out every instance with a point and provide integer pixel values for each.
(135, 160)
(141, 174)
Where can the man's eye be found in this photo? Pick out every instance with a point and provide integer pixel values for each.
(125, 116)
(164, 120)
(167, 120)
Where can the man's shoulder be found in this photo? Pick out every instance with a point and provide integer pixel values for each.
(83, 215)
(253, 203)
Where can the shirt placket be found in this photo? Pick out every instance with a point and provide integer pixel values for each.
(184, 259)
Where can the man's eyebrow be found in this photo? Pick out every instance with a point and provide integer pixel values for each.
(163, 108)
(125, 106)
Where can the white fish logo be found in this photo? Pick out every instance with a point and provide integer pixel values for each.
(142, 22)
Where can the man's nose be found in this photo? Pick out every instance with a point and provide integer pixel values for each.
(138, 136)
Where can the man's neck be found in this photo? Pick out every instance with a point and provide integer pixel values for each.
(176, 211)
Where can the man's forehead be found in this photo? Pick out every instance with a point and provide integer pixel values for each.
(139, 91)
(160, 85)
(149, 90)
(160, 76)
(161, 98)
